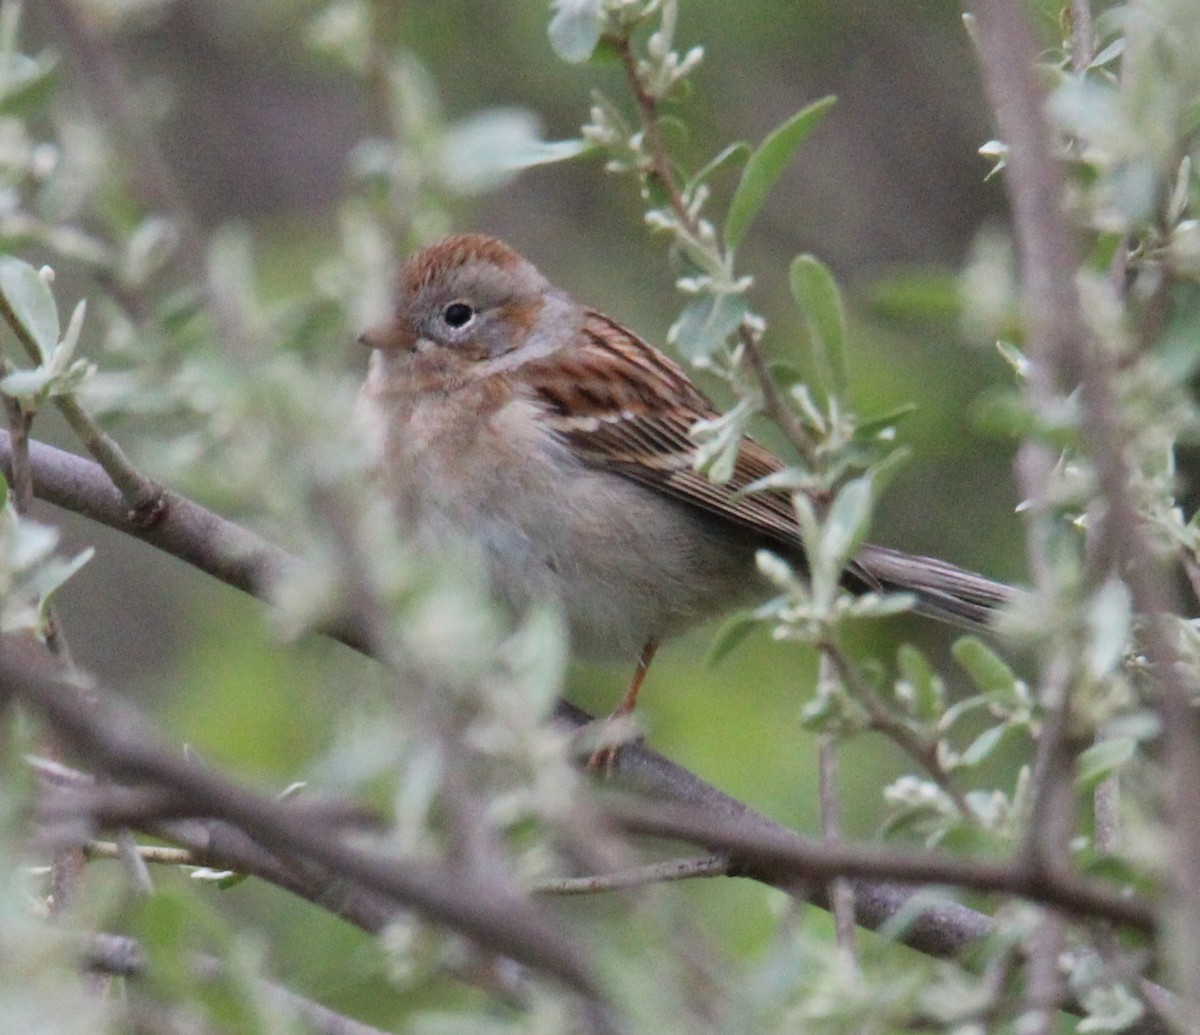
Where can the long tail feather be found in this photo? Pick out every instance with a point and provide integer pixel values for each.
(942, 590)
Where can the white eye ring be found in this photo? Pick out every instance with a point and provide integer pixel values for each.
(458, 314)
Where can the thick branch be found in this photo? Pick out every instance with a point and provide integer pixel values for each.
(793, 859)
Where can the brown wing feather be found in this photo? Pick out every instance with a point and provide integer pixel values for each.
(624, 406)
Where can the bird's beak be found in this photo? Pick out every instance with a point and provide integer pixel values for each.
(387, 336)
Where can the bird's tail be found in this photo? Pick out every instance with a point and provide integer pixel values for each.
(942, 590)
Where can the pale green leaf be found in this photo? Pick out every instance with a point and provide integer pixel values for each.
(730, 634)
(734, 152)
(25, 82)
(983, 745)
(51, 578)
(928, 691)
(987, 669)
(706, 323)
(487, 149)
(575, 28)
(847, 523)
(1108, 620)
(766, 165)
(32, 302)
(820, 301)
(29, 386)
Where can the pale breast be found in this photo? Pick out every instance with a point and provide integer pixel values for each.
(627, 563)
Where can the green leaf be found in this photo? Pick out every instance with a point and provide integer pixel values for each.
(875, 427)
(1109, 618)
(31, 301)
(55, 575)
(547, 152)
(486, 150)
(921, 296)
(987, 669)
(983, 745)
(1103, 759)
(232, 881)
(734, 152)
(706, 323)
(576, 28)
(766, 165)
(731, 633)
(28, 386)
(928, 690)
(848, 521)
(820, 301)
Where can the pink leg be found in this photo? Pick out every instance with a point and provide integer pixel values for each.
(607, 756)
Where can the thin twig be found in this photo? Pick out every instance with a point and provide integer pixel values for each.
(67, 866)
(108, 94)
(162, 855)
(879, 719)
(941, 928)
(841, 895)
(241, 559)
(774, 404)
(1083, 36)
(121, 956)
(714, 864)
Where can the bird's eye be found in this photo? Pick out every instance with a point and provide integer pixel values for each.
(458, 314)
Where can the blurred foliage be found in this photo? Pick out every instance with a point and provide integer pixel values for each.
(317, 143)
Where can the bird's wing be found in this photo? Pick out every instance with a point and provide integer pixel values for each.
(622, 406)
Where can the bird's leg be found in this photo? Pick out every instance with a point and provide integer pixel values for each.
(606, 756)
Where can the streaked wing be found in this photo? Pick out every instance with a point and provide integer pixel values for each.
(625, 407)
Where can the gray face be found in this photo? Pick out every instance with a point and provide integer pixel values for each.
(477, 307)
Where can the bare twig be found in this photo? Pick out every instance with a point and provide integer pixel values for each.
(841, 894)
(711, 865)
(1083, 36)
(243, 560)
(67, 867)
(163, 855)
(921, 751)
(941, 928)
(802, 859)
(107, 92)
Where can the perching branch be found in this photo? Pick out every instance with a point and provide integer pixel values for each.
(793, 859)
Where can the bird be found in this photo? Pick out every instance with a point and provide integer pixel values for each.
(554, 443)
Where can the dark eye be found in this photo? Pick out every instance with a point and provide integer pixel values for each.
(458, 314)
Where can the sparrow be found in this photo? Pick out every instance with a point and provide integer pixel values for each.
(555, 443)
